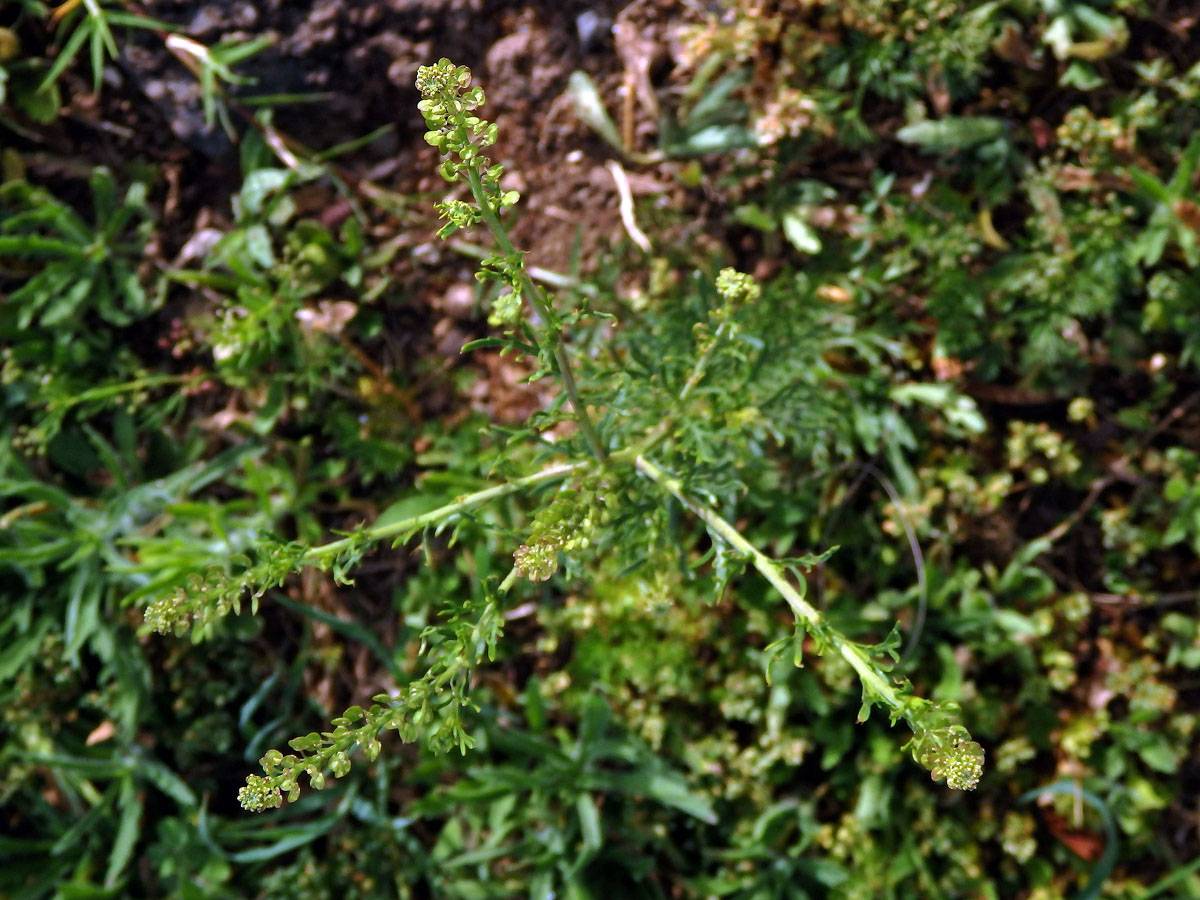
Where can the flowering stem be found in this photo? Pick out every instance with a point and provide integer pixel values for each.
(442, 513)
(533, 291)
(868, 671)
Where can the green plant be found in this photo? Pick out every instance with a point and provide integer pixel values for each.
(90, 23)
(1174, 213)
(957, 236)
(617, 469)
(90, 265)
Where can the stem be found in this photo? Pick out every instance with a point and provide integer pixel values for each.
(868, 671)
(104, 391)
(663, 428)
(702, 363)
(533, 291)
(442, 513)
(554, 279)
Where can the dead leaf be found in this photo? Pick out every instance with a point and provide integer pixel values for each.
(330, 316)
(991, 236)
(1188, 213)
(947, 368)
(1011, 46)
(1087, 845)
(101, 733)
(834, 293)
(939, 92)
(637, 54)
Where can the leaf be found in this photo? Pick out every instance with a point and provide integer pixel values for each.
(952, 133)
(293, 838)
(167, 782)
(1150, 187)
(19, 651)
(127, 832)
(715, 103)
(808, 560)
(668, 789)
(589, 822)
(258, 186)
(712, 139)
(798, 232)
(41, 105)
(755, 216)
(589, 107)
(1186, 169)
(1081, 76)
(409, 508)
(1111, 844)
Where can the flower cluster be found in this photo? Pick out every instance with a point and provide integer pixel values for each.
(509, 271)
(205, 598)
(259, 793)
(737, 288)
(428, 708)
(944, 747)
(327, 752)
(458, 214)
(448, 104)
(566, 525)
(959, 762)
(506, 310)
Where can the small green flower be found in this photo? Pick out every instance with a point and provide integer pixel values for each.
(942, 745)
(565, 526)
(448, 104)
(961, 764)
(537, 562)
(506, 310)
(259, 793)
(737, 288)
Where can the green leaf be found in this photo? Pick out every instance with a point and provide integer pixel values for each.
(410, 507)
(41, 105)
(668, 789)
(589, 107)
(21, 650)
(1081, 76)
(127, 832)
(294, 837)
(589, 822)
(798, 232)
(712, 139)
(167, 782)
(952, 133)
(1150, 186)
(717, 102)
(1186, 169)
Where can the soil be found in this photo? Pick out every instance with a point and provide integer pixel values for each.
(353, 66)
(359, 61)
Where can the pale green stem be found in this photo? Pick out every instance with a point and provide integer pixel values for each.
(702, 363)
(546, 276)
(663, 428)
(509, 580)
(868, 672)
(442, 513)
(530, 288)
(461, 505)
(104, 391)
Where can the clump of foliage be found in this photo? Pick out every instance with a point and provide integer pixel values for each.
(967, 361)
(603, 460)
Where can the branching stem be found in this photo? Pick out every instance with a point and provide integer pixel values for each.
(532, 290)
(442, 513)
(868, 671)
